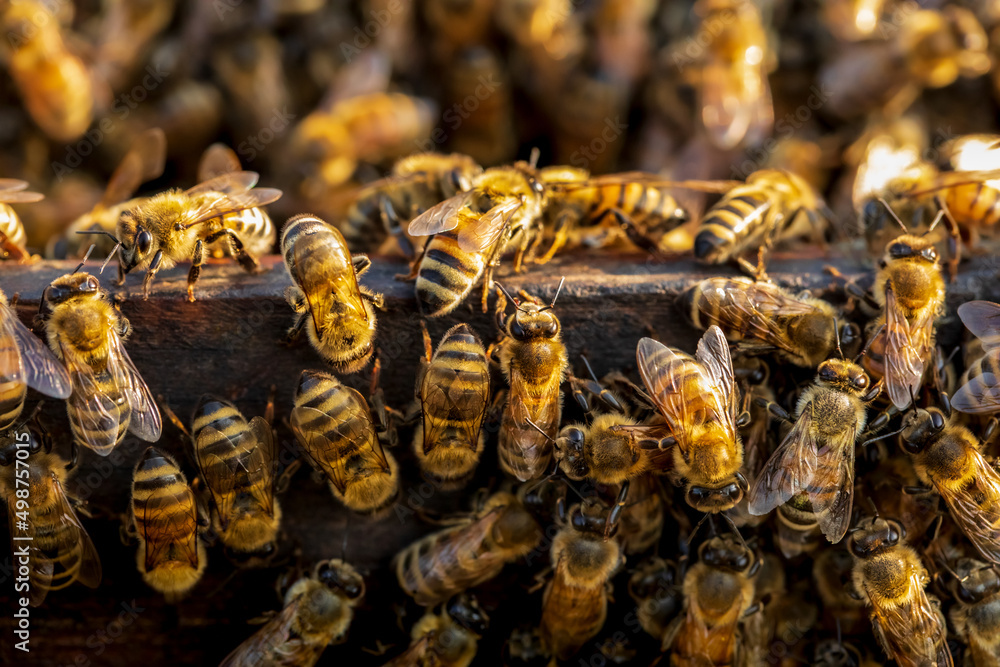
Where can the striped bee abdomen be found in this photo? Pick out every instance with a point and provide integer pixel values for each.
(447, 274)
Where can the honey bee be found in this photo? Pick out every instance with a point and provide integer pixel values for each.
(471, 552)
(586, 108)
(334, 428)
(976, 588)
(978, 393)
(761, 317)
(772, 206)
(53, 82)
(60, 549)
(174, 226)
(640, 523)
(948, 457)
(416, 183)
(448, 638)
(164, 516)
(336, 312)
(891, 579)
(486, 132)
(534, 361)
(143, 162)
(656, 588)
(85, 331)
(453, 387)
(470, 233)
(697, 397)
(457, 26)
(318, 611)
(25, 362)
(13, 239)
(833, 579)
(575, 601)
(718, 593)
(815, 463)
(237, 461)
(734, 95)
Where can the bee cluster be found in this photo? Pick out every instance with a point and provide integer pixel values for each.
(811, 482)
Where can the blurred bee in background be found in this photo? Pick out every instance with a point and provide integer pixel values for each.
(318, 612)
(53, 82)
(237, 461)
(832, 576)
(468, 553)
(734, 94)
(718, 595)
(697, 397)
(336, 312)
(533, 358)
(13, 239)
(453, 389)
(895, 488)
(25, 362)
(446, 638)
(976, 588)
(948, 457)
(126, 34)
(655, 585)
(622, 38)
(334, 428)
(853, 20)
(484, 131)
(143, 162)
(760, 317)
(889, 576)
(471, 231)
(60, 549)
(589, 115)
(814, 465)
(575, 601)
(641, 519)
(456, 26)
(758, 444)
(163, 514)
(524, 649)
(979, 391)
(175, 226)
(85, 331)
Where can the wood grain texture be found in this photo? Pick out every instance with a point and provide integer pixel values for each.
(228, 343)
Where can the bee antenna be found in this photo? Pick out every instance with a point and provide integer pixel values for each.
(535, 154)
(836, 331)
(934, 224)
(589, 369)
(703, 519)
(732, 525)
(893, 214)
(100, 231)
(874, 508)
(868, 344)
(573, 489)
(539, 429)
(114, 251)
(882, 437)
(85, 257)
(517, 304)
(343, 543)
(558, 289)
(950, 571)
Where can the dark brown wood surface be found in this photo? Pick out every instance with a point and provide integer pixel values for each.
(229, 343)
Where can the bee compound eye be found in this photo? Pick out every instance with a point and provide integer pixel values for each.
(516, 330)
(143, 241)
(937, 420)
(861, 381)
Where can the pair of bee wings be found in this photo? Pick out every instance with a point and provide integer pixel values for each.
(325, 290)
(480, 234)
(275, 643)
(169, 522)
(976, 507)
(533, 445)
(26, 360)
(324, 439)
(912, 633)
(12, 191)
(52, 571)
(697, 633)
(250, 465)
(464, 400)
(421, 652)
(907, 349)
(96, 411)
(225, 194)
(674, 396)
(981, 394)
(824, 471)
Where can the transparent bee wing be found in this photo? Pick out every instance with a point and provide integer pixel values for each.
(36, 365)
(982, 318)
(978, 396)
(145, 422)
(441, 217)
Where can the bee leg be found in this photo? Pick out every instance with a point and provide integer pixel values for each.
(990, 431)
(635, 234)
(616, 512)
(361, 264)
(373, 297)
(295, 330)
(428, 345)
(172, 416)
(147, 280)
(246, 260)
(563, 223)
(415, 264)
(954, 240)
(393, 225)
(773, 408)
(487, 286)
(121, 274)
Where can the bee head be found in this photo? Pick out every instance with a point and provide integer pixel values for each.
(714, 500)
(337, 575)
(874, 535)
(138, 244)
(836, 654)
(656, 579)
(974, 581)
(591, 516)
(908, 246)
(920, 427)
(531, 321)
(844, 375)
(72, 286)
(9, 445)
(727, 554)
(464, 609)
(569, 451)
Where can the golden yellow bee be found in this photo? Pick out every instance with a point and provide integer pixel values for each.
(85, 331)
(164, 516)
(890, 577)
(13, 239)
(143, 162)
(575, 602)
(533, 359)
(334, 427)
(487, 131)
(471, 231)
(471, 552)
(979, 392)
(453, 388)
(718, 592)
(447, 638)
(948, 457)
(655, 585)
(337, 313)
(976, 587)
(32, 482)
(816, 458)
(237, 460)
(177, 226)
(25, 362)
(318, 612)
(53, 81)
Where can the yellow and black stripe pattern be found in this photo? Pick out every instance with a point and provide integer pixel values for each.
(12, 227)
(12, 392)
(798, 530)
(972, 204)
